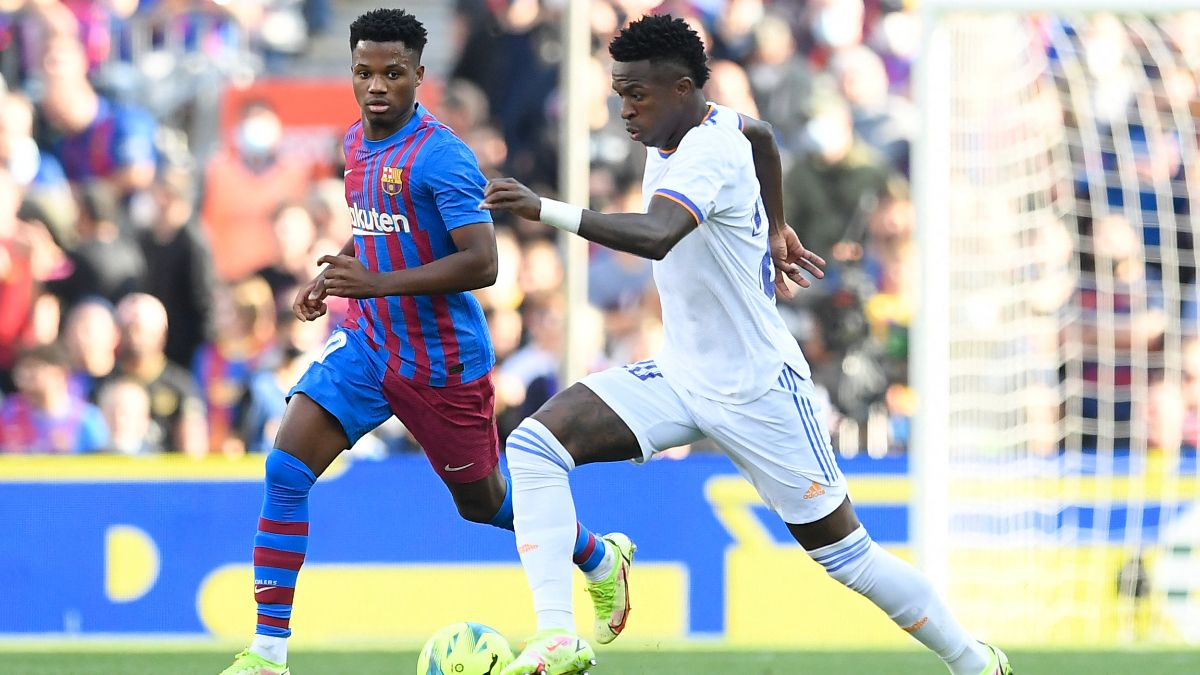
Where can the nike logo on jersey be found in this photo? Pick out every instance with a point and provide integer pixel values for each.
(346, 172)
(459, 468)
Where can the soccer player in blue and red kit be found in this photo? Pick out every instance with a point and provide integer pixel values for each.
(415, 344)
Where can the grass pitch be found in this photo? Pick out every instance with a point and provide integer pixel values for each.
(674, 662)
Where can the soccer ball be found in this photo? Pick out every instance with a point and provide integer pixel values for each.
(464, 648)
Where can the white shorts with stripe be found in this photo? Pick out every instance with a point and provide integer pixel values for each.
(778, 441)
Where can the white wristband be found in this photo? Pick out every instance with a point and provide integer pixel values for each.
(561, 215)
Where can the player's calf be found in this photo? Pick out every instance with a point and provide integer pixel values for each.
(907, 598)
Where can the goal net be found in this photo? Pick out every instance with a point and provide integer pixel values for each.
(1056, 354)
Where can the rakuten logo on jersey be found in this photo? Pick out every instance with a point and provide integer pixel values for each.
(370, 223)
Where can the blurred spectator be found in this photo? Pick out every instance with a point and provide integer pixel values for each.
(781, 80)
(507, 291)
(245, 323)
(244, 185)
(733, 32)
(175, 406)
(729, 86)
(617, 279)
(464, 107)
(100, 139)
(179, 267)
(506, 327)
(39, 173)
(529, 377)
(264, 399)
(833, 188)
(125, 404)
(832, 24)
(103, 262)
(28, 257)
(295, 236)
(1118, 309)
(541, 271)
(43, 417)
(885, 122)
(90, 338)
(1191, 393)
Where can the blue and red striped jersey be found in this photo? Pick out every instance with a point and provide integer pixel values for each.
(406, 193)
(120, 136)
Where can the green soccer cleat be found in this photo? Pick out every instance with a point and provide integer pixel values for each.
(249, 663)
(553, 652)
(610, 597)
(997, 662)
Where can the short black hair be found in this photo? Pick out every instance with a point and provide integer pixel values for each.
(389, 25)
(660, 38)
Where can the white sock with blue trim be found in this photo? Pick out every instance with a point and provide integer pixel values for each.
(544, 520)
(905, 595)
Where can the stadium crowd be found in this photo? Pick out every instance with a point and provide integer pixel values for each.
(147, 269)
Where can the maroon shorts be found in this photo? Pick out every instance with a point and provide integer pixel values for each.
(455, 425)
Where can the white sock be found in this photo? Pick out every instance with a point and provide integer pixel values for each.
(270, 648)
(544, 520)
(600, 573)
(906, 596)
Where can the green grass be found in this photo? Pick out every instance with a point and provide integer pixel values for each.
(703, 662)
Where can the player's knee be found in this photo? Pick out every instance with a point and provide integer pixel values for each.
(532, 449)
(286, 471)
(849, 561)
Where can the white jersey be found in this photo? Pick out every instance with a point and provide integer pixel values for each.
(723, 336)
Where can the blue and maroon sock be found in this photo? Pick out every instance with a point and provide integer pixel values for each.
(589, 552)
(281, 541)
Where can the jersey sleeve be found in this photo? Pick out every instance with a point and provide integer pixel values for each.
(697, 172)
(452, 175)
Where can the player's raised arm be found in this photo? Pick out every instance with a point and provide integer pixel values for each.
(788, 254)
(649, 235)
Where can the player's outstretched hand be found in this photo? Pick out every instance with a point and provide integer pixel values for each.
(508, 194)
(347, 277)
(310, 300)
(791, 260)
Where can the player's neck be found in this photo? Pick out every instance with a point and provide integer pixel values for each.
(375, 133)
(697, 110)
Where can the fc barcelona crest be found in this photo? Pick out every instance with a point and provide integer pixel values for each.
(391, 180)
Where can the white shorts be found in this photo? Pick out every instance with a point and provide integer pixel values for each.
(777, 441)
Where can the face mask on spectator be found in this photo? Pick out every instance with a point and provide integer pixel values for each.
(838, 27)
(258, 137)
(143, 210)
(24, 160)
(828, 136)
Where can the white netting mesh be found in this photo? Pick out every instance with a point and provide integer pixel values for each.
(1072, 160)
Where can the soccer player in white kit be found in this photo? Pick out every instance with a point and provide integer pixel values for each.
(729, 369)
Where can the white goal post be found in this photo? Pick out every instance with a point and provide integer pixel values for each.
(1055, 187)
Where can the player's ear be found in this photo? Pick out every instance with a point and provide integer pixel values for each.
(420, 75)
(684, 86)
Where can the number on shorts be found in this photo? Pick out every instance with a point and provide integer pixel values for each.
(335, 342)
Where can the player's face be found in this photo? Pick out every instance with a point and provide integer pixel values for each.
(386, 77)
(653, 102)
